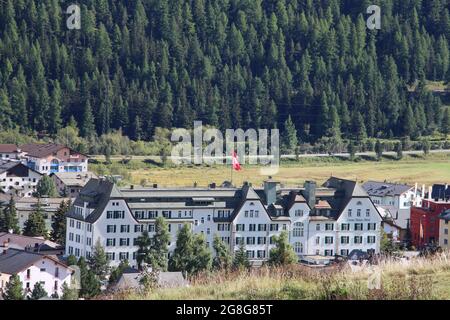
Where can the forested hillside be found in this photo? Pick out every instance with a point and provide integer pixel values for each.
(142, 64)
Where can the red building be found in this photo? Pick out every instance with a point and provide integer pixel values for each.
(425, 222)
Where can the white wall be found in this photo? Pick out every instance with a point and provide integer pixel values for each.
(47, 276)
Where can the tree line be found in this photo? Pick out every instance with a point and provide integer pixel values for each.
(141, 65)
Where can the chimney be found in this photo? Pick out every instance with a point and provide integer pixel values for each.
(212, 185)
(132, 187)
(430, 191)
(155, 186)
(270, 190)
(423, 191)
(310, 193)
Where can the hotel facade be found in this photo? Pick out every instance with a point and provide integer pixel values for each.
(330, 220)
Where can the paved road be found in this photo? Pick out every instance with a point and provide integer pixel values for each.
(293, 156)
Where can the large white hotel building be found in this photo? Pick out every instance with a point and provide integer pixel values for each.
(330, 220)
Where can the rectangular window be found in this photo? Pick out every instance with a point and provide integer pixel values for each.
(349, 213)
(358, 226)
(261, 254)
(371, 239)
(345, 240)
(367, 213)
(358, 240)
(329, 240)
(328, 253)
(262, 227)
(123, 256)
(317, 240)
(239, 240)
(317, 227)
(344, 252)
(124, 242)
(358, 213)
(109, 215)
(124, 228)
(250, 240)
(151, 228)
(111, 256)
(246, 214)
(345, 227)
(110, 229)
(110, 242)
(274, 227)
(252, 227)
(372, 226)
(240, 227)
(261, 240)
(138, 228)
(329, 227)
(299, 213)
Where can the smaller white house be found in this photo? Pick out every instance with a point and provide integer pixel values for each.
(9, 152)
(33, 268)
(397, 198)
(17, 179)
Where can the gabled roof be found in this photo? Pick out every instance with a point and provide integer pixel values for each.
(39, 150)
(23, 242)
(74, 179)
(8, 165)
(14, 261)
(8, 148)
(382, 189)
(97, 193)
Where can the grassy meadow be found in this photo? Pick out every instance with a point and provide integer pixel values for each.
(434, 168)
(417, 279)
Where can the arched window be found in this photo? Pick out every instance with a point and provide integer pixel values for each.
(55, 162)
(359, 203)
(298, 230)
(298, 247)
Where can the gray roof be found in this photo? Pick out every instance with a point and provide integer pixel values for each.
(14, 261)
(382, 189)
(335, 193)
(75, 179)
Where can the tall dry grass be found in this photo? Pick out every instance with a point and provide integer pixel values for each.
(400, 280)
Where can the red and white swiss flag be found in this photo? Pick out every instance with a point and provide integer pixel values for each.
(235, 161)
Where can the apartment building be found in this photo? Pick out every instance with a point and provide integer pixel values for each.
(330, 220)
(17, 179)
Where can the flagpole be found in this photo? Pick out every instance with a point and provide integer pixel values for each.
(231, 172)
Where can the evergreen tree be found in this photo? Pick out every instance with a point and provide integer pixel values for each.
(379, 149)
(399, 150)
(35, 226)
(46, 187)
(38, 292)
(183, 255)
(426, 147)
(116, 273)
(9, 219)
(143, 253)
(98, 262)
(223, 258)
(289, 139)
(58, 233)
(445, 127)
(283, 253)
(240, 260)
(88, 125)
(351, 149)
(68, 293)
(202, 257)
(159, 250)
(90, 283)
(14, 289)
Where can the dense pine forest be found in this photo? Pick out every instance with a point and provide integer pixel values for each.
(309, 64)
